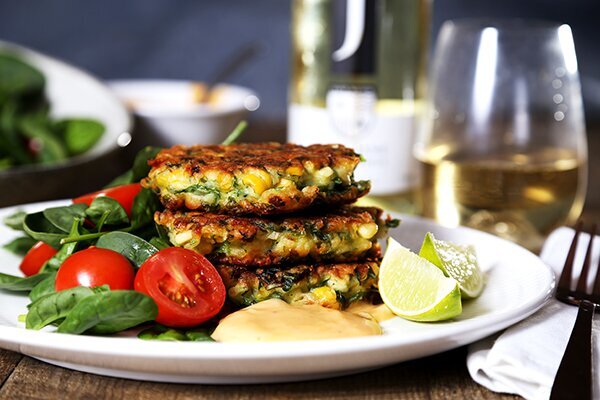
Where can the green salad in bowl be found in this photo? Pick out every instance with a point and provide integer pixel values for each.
(28, 133)
(62, 131)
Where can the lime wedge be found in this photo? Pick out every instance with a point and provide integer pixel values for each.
(414, 288)
(458, 262)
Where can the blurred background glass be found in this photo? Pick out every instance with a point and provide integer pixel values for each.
(503, 144)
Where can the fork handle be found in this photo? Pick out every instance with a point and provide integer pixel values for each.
(574, 377)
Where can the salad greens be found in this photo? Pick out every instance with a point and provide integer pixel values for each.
(140, 167)
(20, 246)
(160, 332)
(28, 135)
(56, 306)
(19, 284)
(134, 248)
(44, 287)
(109, 312)
(103, 223)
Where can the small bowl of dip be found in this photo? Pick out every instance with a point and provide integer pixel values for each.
(170, 112)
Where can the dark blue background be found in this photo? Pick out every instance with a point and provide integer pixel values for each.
(188, 38)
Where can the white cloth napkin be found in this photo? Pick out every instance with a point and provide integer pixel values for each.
(523, 359)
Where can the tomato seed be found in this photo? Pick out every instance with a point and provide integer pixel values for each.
(176, 294)
(199, 282)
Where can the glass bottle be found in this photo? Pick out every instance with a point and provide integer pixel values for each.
(357, 78)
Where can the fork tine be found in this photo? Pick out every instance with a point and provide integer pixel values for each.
(581, 290)
(595, 297)
(563, 289)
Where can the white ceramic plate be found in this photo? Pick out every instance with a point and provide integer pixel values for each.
(518, 284)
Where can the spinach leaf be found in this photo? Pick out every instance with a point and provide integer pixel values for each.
(123, 179)
(62, 217)
(65, 251)
(45, 287)
(107, 210)
(11, 141)
(5, 163)
(54, 306)
(80, 135)
(160, 332)
(392, 223)
(39, 228)
(139, 169)
(109, 312)
(163, 233)
(49, 147)
(18, 78)
(235, 133)
(199, 335)
(135, 249)
(15, 221)
(20, 246)
(160, 243)
(144, 206)
(20, 284)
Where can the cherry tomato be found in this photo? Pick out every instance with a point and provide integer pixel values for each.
(124, 194)
(95, 267)
(186, 287)
(36, 257)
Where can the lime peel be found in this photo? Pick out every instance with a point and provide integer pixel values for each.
(414, 288)
(458, 262)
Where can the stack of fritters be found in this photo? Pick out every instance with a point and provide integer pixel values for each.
(273, 218)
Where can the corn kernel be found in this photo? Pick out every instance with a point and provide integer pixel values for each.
(212, 175)
(225, 181)
(325, 296)
(294, 170)
(258, 179)
(183, 237)
(323, 176)
(325, 172)
(309, 167)
(367, 231)
(174, 180)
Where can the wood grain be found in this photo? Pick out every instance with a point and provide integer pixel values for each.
(8, 362)
(443, 376)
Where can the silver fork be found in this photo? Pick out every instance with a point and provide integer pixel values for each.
(574, 377)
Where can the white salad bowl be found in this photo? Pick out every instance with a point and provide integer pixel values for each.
(170, 112)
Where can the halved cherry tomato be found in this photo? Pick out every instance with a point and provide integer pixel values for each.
(186, 287)
(36, 257)
(95, 267)
(124, 194)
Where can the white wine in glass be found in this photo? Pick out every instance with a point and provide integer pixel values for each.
(503, 146)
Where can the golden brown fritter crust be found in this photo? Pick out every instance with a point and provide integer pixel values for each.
(254, 178)
(331, 285)
(342, 235)
(260, 155)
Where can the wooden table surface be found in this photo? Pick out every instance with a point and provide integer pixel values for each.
(442, 376)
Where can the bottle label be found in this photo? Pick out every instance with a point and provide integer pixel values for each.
(382, 132)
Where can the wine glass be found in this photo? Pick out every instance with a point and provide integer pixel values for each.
(502, 146)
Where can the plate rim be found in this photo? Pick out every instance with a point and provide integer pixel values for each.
(35, 343)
